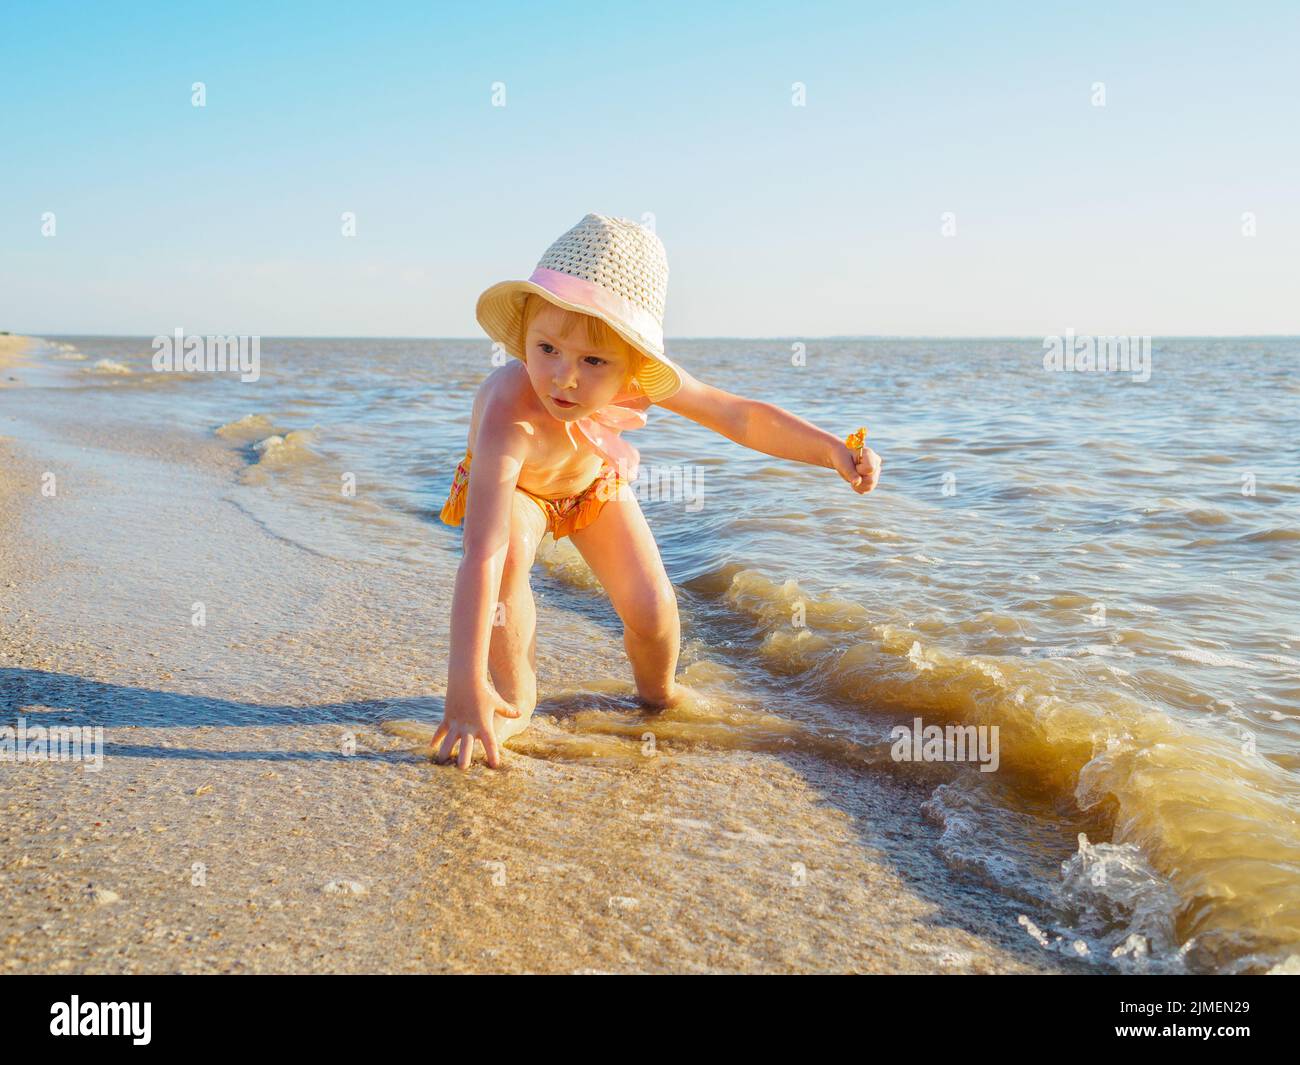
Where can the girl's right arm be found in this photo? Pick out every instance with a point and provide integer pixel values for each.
(472, 699)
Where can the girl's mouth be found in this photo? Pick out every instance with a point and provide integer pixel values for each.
(562, 402)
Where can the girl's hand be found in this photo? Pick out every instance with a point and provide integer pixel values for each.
(857, 463)
(467, 716)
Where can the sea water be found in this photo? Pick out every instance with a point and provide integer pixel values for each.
(1100, 565)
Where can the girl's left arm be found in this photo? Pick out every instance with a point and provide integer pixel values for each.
(772, 430)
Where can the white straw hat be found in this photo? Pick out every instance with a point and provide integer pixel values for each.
(611, 268)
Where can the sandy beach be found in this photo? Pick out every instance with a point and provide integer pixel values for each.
(247, 589)
(958, 516)
(12, 349)
(239, 827)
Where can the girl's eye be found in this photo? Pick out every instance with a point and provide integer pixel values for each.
(549, 349)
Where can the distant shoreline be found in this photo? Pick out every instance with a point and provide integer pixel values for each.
(12, 349)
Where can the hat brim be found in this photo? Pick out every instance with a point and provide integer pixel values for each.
(500, 310)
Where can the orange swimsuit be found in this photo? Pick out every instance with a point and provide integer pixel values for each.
(564, 515)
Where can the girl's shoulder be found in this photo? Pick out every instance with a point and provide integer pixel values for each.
(505, 397)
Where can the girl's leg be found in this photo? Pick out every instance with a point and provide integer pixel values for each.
(622, 553)
(512, 649)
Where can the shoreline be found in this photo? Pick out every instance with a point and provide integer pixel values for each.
(12, 352)
(273, 825)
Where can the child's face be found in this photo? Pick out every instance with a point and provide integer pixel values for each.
(567, 368)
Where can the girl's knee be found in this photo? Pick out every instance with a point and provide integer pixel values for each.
(505, 727)
(515, 615)
(516, 574)
(521, 552)
(653, 614)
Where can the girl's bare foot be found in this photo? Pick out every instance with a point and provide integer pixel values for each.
(675, 695)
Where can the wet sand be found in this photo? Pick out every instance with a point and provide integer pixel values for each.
(233, 827)
(12, 349)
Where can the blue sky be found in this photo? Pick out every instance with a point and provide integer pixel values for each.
(778, 220)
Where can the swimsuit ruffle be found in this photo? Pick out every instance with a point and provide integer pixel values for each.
(564, 516)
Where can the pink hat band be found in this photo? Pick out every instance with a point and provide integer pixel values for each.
(611, 305)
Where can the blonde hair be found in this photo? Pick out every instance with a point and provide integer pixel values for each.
(598, 332)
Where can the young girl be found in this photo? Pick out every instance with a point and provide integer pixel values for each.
(544, 441)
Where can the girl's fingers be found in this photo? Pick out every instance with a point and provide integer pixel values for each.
(448, 742)
(460, 739)
(846, 465)
(490, 750)
(869, 470)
